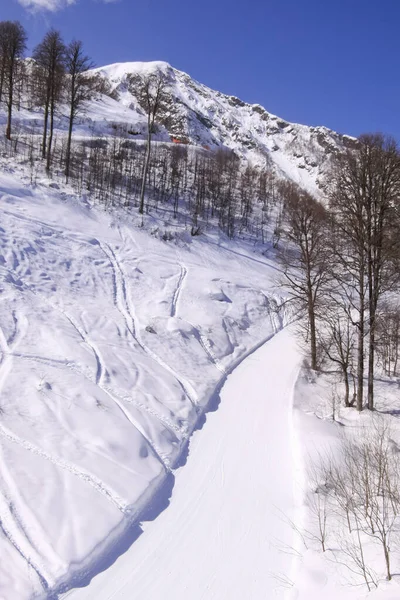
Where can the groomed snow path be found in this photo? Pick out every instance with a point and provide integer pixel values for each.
(221, 538)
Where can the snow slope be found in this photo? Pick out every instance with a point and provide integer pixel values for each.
(222, 536)
(202, 117)
(208, 118)
(112, 345)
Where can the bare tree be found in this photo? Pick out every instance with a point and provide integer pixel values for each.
(366, 186)
(80, 89)
(3, 54)
(365, 484)
(49, 56)
(151, 93)
(337, 340)
(388, 338)
(348, 246)
(383, 191)
(13, 45)
(305, 261)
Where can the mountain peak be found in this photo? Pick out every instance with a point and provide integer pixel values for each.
(201, 116)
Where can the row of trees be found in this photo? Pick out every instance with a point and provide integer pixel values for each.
(211, 185)
(57, 75)
(344, 259)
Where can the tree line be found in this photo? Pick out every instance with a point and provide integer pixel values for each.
(343, 262)
(58, 74)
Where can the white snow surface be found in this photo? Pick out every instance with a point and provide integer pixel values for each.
(220, 537)
(112, 343)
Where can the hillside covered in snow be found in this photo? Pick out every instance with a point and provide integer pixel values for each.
(204, 117)
(201, 117)
(113, 344)
(155, 434)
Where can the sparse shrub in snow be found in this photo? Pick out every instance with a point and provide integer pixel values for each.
(355, 498)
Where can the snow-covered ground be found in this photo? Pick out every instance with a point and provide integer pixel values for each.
(148, 446)
(333, 574)
(222, 536)
(113, 343)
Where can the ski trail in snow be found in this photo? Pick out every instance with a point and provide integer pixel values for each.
(178, 291)
(92, 480)
(125, 306)
(203, 341)
(100, 369)
(120, 296)
(100, 383)
(217, 540)
(12, 532)
(13, 528)
(205, 344)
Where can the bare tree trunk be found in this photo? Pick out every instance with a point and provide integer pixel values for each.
(10, 102)
(371, 360)
(145, 170)
(313, 334)
(46, 118)
(360, 353)
(2, 73)
(346, 388)
(52, 109)
(69, 141)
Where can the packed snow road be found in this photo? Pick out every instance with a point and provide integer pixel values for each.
(223, 536)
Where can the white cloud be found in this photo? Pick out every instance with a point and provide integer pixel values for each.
(50, 5)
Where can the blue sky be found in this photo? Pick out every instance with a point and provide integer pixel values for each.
(317, 62)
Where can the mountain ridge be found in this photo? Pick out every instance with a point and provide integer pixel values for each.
(202, 116)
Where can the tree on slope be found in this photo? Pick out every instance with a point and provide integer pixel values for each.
(12, 47)
(49, 56)
(305, 260)
(3, 28)
(80, 89)
(151, 94)
(365, 190)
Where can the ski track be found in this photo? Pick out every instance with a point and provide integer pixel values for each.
(28, 525)
(217, 540)
(90, 479)
(99, 382)
(68, 234)
(9, 524)
(178, 291)
(12, 532)
(125, 306)
(204, 343)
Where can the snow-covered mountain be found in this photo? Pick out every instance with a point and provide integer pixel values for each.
(201, 116)
(117, 345)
